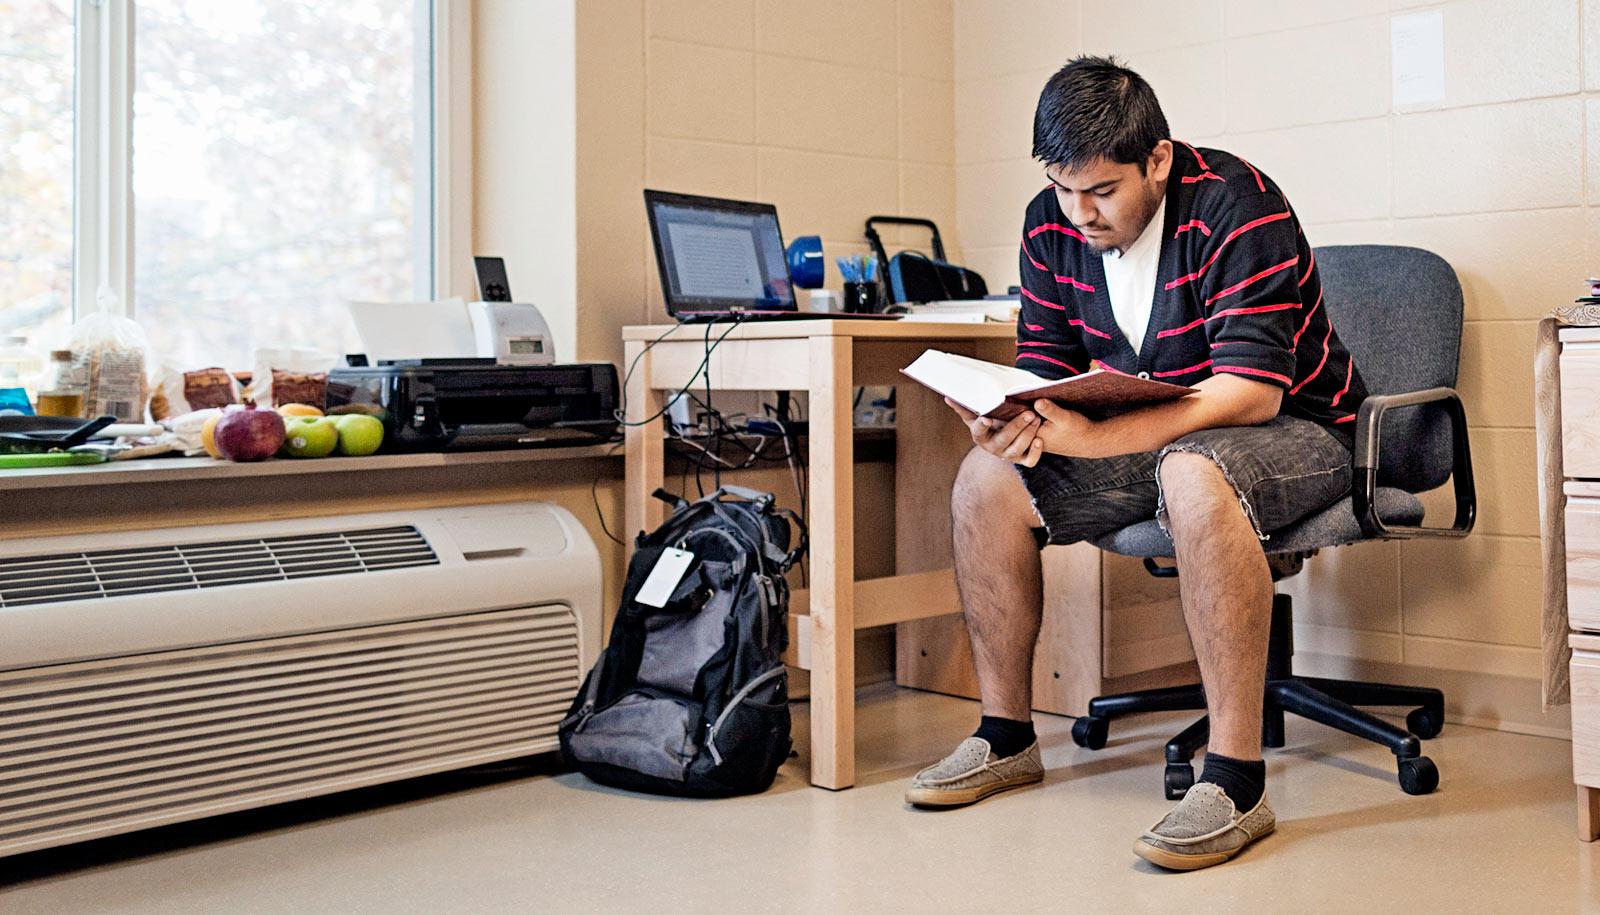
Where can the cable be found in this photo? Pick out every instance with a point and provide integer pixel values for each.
(622, 406)
(716, 469)
(720, 431)
(796, 471)
(622, 410)
(594, 494)
(621, 414)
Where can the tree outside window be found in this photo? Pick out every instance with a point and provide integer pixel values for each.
(280, 149)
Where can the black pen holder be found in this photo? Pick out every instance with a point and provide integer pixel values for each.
(862, 298)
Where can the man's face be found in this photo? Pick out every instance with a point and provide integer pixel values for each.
(1110, 202)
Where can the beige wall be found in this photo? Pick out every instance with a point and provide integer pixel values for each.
(831, 110)
(1493, 178)
(524, 205)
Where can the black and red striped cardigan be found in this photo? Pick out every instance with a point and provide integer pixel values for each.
(1237, 291)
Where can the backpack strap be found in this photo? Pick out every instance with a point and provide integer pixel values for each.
(683, 515)
(764, 504)
(770, 551)
(762, 499)
(672, 499)
(744, 548)
(793, 556)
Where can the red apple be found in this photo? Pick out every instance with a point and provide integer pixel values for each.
(249, 434)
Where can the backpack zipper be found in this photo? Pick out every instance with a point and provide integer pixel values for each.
(769, 599)
(738, 697)
(590, 695)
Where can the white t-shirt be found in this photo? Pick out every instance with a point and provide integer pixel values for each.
(1131, 278)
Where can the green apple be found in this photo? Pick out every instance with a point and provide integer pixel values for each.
(359, 434)
(310, 436)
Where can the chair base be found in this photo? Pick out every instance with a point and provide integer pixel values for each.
(1326, 701)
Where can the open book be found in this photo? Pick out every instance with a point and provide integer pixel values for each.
(1001, 391)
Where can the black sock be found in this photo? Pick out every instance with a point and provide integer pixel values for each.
(1242, 781)
(1006, 737)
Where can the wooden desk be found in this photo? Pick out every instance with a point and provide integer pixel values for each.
(828, 359)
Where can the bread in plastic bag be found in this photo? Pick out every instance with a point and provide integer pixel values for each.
(175, 393)
(111, 350)
(290, 375)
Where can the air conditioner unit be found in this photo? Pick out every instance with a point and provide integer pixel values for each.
(164, 675)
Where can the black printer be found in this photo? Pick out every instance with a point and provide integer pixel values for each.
(466, 404)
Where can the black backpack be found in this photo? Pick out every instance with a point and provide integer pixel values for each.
(692, 698)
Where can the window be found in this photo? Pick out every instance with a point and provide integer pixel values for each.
(274, 172)
(243, 169)
(36, 43)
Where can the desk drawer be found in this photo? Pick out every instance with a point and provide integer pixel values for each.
(1586, 717)
(1580, 409)
(1583, 563)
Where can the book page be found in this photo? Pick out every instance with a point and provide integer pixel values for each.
(1008, 376)
(977, 385)
(1040, 384)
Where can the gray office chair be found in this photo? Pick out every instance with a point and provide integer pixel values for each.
(1398, 310)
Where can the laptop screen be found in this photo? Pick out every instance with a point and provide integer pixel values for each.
(718, 255)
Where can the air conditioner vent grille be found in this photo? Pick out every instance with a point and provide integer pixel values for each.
(119, 573)
(101, 747)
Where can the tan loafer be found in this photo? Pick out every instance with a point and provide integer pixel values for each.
(972, 773)
(1204, 829)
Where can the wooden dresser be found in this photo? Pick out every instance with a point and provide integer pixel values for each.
(1580, 457)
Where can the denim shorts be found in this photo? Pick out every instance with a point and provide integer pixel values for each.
(1282, 471)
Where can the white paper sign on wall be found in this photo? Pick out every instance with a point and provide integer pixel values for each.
(1416, 48)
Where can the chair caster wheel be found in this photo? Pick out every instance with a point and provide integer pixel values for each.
(1418, 775)
(1091, 732)
(1179, 778)
(1424, 722)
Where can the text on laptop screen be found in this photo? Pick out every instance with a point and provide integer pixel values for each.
(721, 257)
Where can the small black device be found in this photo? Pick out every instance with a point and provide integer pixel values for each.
(723, 260)
(915, 277)
(468, 404)
(493, 286)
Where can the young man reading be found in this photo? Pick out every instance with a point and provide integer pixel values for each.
(1149, 256)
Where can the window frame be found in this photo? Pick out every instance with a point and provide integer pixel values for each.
(103, 198)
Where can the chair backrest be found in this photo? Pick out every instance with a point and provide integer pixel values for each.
(1398, 311)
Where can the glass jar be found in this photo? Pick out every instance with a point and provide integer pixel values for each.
(64, 392)
(17, 362)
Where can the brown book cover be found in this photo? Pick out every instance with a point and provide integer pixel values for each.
(1002, 392)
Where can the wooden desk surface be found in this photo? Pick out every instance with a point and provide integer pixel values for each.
(827, 327)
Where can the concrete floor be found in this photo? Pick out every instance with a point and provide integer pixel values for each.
(1498, 836)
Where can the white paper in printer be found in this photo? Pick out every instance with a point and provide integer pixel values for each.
(414, 330)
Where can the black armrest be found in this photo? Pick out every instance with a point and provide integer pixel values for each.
(1364, 491)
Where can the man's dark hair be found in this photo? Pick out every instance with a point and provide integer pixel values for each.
(1093, 108)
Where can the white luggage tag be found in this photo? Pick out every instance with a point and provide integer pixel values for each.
(664, 577)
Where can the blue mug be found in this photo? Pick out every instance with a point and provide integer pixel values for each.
(805, 261)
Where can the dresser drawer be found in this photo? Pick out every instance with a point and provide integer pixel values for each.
(1583, 562)
(1586, 717)
(1580, 409)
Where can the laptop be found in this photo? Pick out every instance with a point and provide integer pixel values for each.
(723, 260)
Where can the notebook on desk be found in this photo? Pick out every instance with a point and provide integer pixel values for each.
(723, 260)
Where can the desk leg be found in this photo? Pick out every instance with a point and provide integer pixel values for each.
(645, 449)
(1588, 813)
(832, 514)
(930, 443)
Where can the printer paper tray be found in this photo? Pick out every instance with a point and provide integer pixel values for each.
(514, 435)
